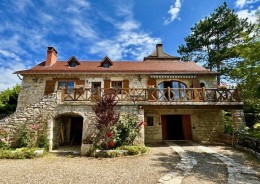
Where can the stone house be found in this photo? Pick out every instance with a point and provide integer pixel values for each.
(177, 100)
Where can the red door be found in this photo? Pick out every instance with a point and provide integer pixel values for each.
(164, 126)
(186, 125)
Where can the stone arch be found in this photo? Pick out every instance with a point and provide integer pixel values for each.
(66, 129)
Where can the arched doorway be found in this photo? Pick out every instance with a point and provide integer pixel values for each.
(67, 131)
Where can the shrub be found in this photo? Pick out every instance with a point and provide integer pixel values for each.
(127, 129)
(30, 135)
(20, 153)
(134, 150)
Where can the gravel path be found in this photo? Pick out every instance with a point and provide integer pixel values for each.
(59, 169)
(178, 163)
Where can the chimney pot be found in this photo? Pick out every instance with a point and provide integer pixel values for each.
(51, 57)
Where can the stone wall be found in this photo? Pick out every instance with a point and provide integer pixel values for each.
(206, 125)
(31, 113)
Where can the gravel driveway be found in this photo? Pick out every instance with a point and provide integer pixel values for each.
(181, 162)
(63, 169)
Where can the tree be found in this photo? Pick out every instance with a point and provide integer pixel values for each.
(106, 119)
(247, 70)
(213, 39)
(8, 100)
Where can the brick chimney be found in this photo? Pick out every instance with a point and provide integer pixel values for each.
(51, 57)
(159, 50)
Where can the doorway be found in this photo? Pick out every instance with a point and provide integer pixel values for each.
(176, 127)
(67, 131)
(95, 90)
(76, 131)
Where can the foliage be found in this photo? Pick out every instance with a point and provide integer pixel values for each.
(106, 119)
(228, 123)
(122, 150)
(247, 71)
(3, 142)
(213, 40)
(20, 153)
(127, 129)
(134, 150)
(257, 126)
(8, 100)
(30, 135)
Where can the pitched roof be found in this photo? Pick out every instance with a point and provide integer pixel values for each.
(149, 67)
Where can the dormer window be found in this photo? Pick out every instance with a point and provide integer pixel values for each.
(106, 65)
(106, 62)
(73, 62)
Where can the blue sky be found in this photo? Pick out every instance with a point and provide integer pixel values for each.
(92, 29)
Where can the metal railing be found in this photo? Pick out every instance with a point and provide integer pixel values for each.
(155, 94)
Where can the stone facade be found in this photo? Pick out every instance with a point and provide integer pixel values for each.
(206, 125)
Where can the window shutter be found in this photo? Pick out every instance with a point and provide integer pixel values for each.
(196, 92)
(195, 83)
(152, 94)
(80, 83)
(126, 85)
(49, 87)
(106, 84)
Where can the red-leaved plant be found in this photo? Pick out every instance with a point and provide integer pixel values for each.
(106, 119)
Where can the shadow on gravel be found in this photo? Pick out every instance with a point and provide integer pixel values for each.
(164, 156)
(208, 169)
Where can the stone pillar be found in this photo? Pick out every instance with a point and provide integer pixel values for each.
(141, 119)
(238, 118)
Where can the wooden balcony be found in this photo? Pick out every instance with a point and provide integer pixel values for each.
(152, 95)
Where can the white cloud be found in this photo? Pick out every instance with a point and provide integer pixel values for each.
(83, 29)
(129, 25)
(249, 14)
(133, 44)
(11, 62)
(242, 3)
(77, 6)
(7, 54)
(174, 12)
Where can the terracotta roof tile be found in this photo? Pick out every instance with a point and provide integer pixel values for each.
(120, 67)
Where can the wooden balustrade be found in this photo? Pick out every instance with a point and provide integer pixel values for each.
(156, 94)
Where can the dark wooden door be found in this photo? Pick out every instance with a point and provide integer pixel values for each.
(186, 125)
(164, 126)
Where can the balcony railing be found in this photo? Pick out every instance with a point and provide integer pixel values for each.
(155, 94)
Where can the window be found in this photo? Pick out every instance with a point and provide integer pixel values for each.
(106, 65)
(67, 85)
(117, 85)
(149, 121)
(73, 64)
(177, 90)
